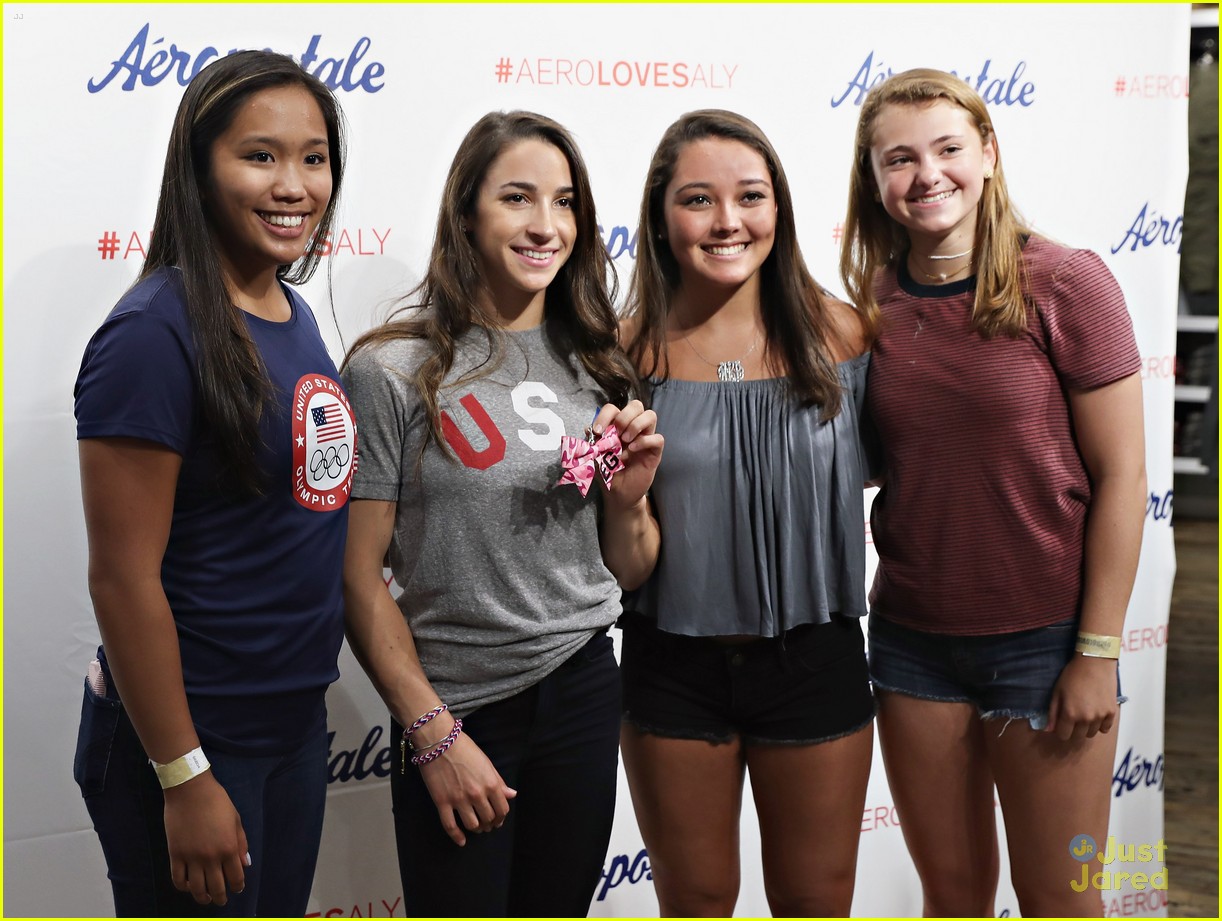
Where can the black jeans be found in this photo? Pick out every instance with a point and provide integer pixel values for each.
(557, 744)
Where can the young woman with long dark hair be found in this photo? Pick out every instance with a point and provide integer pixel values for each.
(743, 653)
(495, 662)
(215, 451)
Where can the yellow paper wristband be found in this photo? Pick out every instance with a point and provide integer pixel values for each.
(1098, 646)
(180, 770)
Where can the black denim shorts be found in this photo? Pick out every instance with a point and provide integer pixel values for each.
(809, 685)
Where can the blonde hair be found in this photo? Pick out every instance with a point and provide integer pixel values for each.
(873, 240)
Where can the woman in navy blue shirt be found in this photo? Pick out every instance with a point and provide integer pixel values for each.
(216, 449)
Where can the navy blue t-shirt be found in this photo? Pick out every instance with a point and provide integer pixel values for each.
(254, 583)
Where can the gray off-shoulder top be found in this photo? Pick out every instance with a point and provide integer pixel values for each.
(760, 507)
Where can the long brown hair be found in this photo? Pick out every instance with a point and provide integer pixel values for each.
(796, 316)
(580, 318)
(873, 240)
(233, 384)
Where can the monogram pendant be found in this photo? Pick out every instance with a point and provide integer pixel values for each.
(730, 372)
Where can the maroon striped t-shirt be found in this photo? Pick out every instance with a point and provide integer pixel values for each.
(980, 526)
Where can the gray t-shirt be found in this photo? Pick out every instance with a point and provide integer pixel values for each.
(501, 570)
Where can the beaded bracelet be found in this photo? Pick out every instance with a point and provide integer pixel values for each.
(405, 741)
(441, 748)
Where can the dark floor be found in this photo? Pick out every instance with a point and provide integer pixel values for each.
(1191, 741)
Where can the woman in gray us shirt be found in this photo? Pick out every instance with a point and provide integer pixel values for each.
(509, 579)
(743, 651)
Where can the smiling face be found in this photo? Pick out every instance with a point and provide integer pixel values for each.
(720, 213)
(269, 182)
(929, 164)
(523, 227)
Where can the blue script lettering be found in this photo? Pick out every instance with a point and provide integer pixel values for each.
(862, 81)
(619, 241)
(1006, 91)
(1135, 771)
(158, 67)
(337, 74)
(1148, 228)
(356, 764)
(1002, 92)
(138, 64)
(620, 871)
(1159, 507)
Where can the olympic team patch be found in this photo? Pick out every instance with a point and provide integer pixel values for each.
(324, 444)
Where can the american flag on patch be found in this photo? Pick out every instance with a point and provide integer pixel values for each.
(328, 423)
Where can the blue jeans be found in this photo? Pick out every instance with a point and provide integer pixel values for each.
(279, 798)
(557, 744)
(1004, 675)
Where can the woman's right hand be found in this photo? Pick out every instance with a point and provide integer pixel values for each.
(465, 786)
(208, 849)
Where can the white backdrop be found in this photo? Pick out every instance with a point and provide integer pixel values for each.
(1089, 103)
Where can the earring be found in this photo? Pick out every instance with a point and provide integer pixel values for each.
(463, 226)
(877, 195)
(988, 172)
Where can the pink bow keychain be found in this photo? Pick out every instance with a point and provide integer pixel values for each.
(580, 457)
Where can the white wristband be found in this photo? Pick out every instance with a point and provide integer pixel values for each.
(180, 770)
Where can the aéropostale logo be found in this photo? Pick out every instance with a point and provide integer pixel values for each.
(998, 83)
(1150, 228)
(147, 62)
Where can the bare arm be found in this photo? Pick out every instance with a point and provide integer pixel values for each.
(847, 337)
(128, 490)
(629, 535)
(463, 781)
(1110, 433)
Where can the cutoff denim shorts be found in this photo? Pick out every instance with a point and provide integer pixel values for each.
(1005, 675)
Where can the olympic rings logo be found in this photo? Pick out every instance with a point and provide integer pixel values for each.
(329, 463)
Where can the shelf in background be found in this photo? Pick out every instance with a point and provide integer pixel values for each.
(1188, 465)
(1189, 393)
(1190, 323)
(1204, 17)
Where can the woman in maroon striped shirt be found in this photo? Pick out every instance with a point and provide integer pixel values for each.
(1005, 391)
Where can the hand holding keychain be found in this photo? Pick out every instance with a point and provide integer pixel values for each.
(579, 458)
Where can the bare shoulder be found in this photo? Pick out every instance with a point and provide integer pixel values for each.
(848, 335)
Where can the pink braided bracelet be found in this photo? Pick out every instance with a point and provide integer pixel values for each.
(441, 748)
(405, 741)
(432, 714)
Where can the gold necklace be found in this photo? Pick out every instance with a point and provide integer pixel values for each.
(937, 258)
(942, 278)
(730, 372)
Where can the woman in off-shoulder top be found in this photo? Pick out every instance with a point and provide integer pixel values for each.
(743, 652)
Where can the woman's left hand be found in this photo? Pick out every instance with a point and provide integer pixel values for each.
(641, 452)
(1084, 699)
